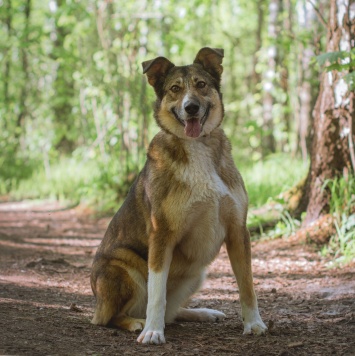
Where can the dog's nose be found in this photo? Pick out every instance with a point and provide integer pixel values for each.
(192, 107)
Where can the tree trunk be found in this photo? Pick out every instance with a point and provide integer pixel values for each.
(284, 75)
(63, 86)
(333, 119)
(268, 142)
(255, 76)
(8, 23)
(24, 58)
(304, 84)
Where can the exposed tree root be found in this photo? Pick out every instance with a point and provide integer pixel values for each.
(318, 232)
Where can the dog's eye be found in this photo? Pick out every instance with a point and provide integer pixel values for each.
(200, 84)
(175, 88)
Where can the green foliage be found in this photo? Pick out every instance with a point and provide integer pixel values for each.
(265, 180)
(350, 79)
(331, 57)
(342, 206)
(97, 184)
(341, 61)
(342, 195)
(71, 76)
(14, 169)
(76, 112)
(275, 223)
(104, 185)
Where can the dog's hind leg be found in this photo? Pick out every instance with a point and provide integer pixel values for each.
(199, 314)
(180, 294)
(116, 295)
(128, 323)
(108, 299)
(104, 312)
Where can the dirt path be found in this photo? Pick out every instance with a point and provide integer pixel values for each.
(46, 302)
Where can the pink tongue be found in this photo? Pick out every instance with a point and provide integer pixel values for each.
(193, 128)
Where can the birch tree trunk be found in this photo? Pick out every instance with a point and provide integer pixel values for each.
(255, 76)
(306, 19)
(8, 26)
(24, 59)
(333, 117)
(268, 142)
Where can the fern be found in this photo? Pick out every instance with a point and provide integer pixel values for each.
(332, 57)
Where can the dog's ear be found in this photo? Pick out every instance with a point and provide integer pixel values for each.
(211, 61)
(156, 70)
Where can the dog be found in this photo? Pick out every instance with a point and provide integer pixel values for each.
(187, 201)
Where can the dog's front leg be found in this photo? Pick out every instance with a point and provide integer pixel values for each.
(239, 252)
(158, 270)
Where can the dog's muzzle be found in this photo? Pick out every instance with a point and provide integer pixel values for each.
(192, 107)
(193, 125)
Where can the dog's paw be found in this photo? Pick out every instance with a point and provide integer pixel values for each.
(136, 325)
(200, 314)
(252, 321)
(256, 327)
(210, 315)
(152, 337)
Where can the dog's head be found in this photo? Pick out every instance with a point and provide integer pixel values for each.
(189, 102)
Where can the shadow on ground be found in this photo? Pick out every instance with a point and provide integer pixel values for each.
(46, 303)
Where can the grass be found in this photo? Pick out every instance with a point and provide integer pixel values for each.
(73, 181)
(267, 179)
(103, 186)
(341, 246)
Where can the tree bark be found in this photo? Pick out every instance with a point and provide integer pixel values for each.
(255, 76)
(333, 120)
(284, 75)
(304, 84)
(8, 24)
(63, 87)
(268, 141)
(24, 59)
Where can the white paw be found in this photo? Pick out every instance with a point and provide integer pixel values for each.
(257, 328)
(211, 315)
(152, 337)
(253, 323)
(200, 314)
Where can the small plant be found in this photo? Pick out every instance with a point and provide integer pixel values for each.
(342, 205)
(266, 225)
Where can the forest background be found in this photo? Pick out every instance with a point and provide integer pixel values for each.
(76, 111)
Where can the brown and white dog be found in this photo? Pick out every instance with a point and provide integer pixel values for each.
(187, 201)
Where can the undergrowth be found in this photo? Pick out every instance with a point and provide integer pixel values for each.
(104, 185)
(341, 246)
(267, 179)
(101, 186)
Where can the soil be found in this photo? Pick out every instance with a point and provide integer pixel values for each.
(46, 302)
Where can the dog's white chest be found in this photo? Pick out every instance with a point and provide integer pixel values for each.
(203, 233)
(201, 175)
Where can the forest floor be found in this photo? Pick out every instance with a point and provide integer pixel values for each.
(46, 301)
